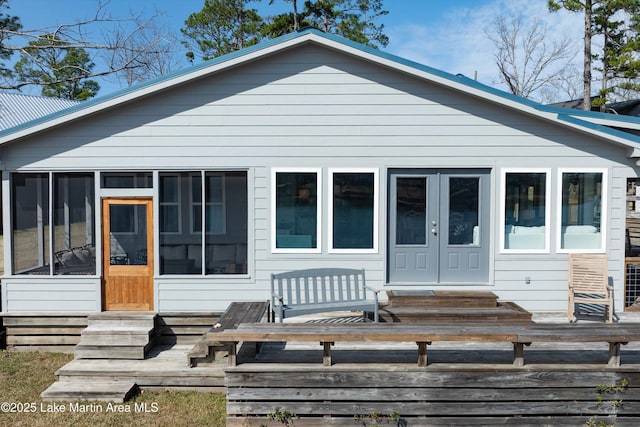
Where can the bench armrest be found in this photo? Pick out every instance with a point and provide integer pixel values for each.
(375, 299)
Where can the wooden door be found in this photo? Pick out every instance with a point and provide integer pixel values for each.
(127, 242)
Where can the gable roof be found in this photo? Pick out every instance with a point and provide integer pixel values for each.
(575, 119)
(17, 108)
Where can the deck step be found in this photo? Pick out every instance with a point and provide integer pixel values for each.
(451, 306)
(112, 391)
(434, 299)
(122, 318)
(502, 314)
(133, 352)
(117, 335)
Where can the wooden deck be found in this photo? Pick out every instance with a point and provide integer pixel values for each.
(464, 384)
(370, 383)
(165, 368)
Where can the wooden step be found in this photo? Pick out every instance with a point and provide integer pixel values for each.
(112, 391)
(123, 318)
(134, 352)
(116, 335)
(500, 314)
(436, 299)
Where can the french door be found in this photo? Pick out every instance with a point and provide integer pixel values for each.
(438, 226)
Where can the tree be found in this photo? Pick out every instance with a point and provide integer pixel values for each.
(8, 25)
(222, 26)
(61, 70)
(599, 19)
(617, 23)
(353, 19)
(151, 52)
(527, 61)
(586, 7)
(100, 37)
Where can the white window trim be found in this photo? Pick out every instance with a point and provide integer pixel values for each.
(547, 210)
(316, 250)
(604, 210)
(374, 249)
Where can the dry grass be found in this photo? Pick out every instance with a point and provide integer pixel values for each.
(23, 376)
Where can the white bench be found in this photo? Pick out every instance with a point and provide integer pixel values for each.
(319, 290)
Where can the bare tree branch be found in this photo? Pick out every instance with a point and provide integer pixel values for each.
(527, 60)
(132, 48)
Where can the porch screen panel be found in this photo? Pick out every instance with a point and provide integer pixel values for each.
(464, 211)
(74, 219)
(180, 234)
(30, 210)
(353, 210)
(226, 222)
(581, 210)
(203, 207)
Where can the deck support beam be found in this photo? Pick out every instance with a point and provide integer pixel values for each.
(422, 354)
(326, 353)
(614, 354)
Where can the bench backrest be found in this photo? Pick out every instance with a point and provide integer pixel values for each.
(319, 285)
(588, 274)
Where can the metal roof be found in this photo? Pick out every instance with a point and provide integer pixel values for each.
(16, 108)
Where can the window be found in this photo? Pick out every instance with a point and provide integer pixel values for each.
(184, 249)
(127, 180)
(582, 210)
(296, 210)
(464, 211)
(353, 208)
(525, 211)
(73, 217)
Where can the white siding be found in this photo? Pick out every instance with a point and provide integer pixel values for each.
(34, 294)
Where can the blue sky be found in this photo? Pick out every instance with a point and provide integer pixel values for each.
(445, 34)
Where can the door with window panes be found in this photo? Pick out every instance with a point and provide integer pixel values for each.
(127, 253)
(438, 226)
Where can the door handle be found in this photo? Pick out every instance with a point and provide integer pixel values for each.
(434, 231)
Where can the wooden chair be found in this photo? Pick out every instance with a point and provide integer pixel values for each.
(589, 283)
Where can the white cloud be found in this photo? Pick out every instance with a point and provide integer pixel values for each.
(457, 43)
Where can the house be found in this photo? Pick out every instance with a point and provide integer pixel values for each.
(17, 108)
(184, 194)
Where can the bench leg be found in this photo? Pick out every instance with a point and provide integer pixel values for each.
(518, 353)
(326, 353)
(614, 355)
(422, 354)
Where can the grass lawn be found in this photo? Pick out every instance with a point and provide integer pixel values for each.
(23, 376)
